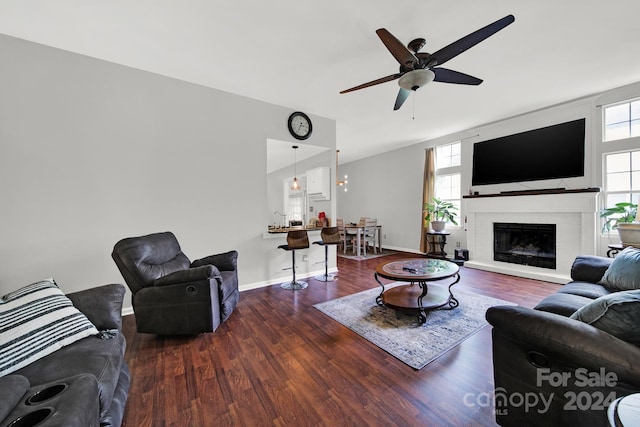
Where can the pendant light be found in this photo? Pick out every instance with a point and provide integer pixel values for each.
(344, 182)
(295, 185)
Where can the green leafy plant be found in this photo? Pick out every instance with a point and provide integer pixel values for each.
(621, 213)
(440, 210)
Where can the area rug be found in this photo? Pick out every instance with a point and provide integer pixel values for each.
(400, 334)
(370, 255)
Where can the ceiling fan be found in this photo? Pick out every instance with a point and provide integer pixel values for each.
(419, 68)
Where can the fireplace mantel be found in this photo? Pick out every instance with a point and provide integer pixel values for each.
(535, 192)
(573, 212)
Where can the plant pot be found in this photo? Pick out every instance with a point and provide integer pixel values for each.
(629, 234)
(438, 225)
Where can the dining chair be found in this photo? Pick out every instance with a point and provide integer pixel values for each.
(296, 239)
(368, 236)
(340, 225)
(330, 236)
(351, 237)
(346, 235)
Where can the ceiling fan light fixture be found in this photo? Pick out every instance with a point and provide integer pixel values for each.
(414, 80)
(419, 64)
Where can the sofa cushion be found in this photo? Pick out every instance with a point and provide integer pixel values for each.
(624, 271)
(142, 260)
(589, 268)
(562, 303)
(102, 305)
(584, 289)
(617, 314)
(36, 321)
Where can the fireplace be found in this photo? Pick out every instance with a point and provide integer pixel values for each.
(575, 214)
(526, 244)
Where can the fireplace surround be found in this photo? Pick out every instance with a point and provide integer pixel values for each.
(573, 212)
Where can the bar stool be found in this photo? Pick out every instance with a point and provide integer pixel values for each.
(296, 239)
(330, 236)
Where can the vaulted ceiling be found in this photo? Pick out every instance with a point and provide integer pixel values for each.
(301, 53)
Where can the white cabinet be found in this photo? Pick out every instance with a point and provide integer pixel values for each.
(319, 183)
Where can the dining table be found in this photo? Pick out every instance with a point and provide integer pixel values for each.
(358, 231)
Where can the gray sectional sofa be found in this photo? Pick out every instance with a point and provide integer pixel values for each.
(563, 362)
(84, 383)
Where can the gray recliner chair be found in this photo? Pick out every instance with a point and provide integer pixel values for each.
(171, 294)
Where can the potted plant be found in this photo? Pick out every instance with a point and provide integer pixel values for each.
(624, 218)
(439, 212)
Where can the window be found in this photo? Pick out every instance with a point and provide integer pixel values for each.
(448, 189)
(296, 207)
(621, 160)
(622, 120)
(447, 183)
(448, 155)
(294, 202)
(622, 177)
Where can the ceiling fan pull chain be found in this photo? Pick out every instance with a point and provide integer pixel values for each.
(414, 105)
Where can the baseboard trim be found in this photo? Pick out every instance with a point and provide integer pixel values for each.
(399, 249)
(265, 283)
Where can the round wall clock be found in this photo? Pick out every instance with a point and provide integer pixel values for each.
(300, 125)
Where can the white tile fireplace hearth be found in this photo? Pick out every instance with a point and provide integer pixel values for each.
(575, 216)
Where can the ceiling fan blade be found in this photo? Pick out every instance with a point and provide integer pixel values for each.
(399, 51)
(403, 94)
(445, 75)
(374, 82)
(470, 40)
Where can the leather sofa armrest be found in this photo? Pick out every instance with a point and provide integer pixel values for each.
(207, 271)
(12, 388)
(227, 261)
(589, 268)
(566, 340)
(102, 305)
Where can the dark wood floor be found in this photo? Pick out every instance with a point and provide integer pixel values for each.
(278, 361)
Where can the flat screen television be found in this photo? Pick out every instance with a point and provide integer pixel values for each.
(551, 152)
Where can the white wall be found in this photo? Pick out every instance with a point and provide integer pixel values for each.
(92, 152)
(389, 185)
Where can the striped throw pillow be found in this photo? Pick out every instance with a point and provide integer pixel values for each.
(36, 321)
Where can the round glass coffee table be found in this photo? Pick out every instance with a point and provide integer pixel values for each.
(419, 294)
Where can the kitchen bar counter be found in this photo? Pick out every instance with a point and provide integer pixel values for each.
(278, 230)
(281, 232)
